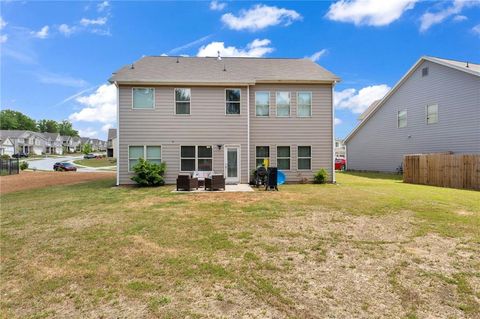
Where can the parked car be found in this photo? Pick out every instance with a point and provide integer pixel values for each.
(89, 156)
(64, 166)
(340, 164)
(20, 155)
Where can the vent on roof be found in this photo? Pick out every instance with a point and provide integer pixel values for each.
(425, 71)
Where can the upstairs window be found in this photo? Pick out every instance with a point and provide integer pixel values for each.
(262, 103)
(261, 153)
(143, 98)
(283, 157)
(304, 158)
(402, 118)
(283, 104)
(304, 101)
(232, 101)
(432, 114)
(182, 101)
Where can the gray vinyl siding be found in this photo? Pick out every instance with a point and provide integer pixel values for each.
(293, 131)
(207, 124)
(379, 145)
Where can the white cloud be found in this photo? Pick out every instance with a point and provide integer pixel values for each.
(260, 17)
(317, 55)
(106, 127)
(459, 18)
(217, 6)
(338, 121)
(98, 21)
(59, 79)
(369, 12)
(476, 29)
(102, 6)
(3, 23)
(3, 38)
(359, 101)
(428, 19)
(88, 132)
(100, 106)
(42, 34)
(66, 30)
(256, 48)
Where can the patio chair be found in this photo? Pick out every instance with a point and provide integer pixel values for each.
(215, 182)
(186, 182)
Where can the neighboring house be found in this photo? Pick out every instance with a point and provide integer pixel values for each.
(75, 143)
(54, 143)
(435, 107)
(25, 141)
(340, 150)
(225, 115)
(7, 147)
(112, 143)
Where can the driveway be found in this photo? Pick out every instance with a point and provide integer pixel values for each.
(46, 164)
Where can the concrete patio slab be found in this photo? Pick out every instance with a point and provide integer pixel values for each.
(228, 188)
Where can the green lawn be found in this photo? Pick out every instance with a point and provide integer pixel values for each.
(94, 162)
(369, 246)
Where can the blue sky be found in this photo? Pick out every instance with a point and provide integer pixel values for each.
(56, 57)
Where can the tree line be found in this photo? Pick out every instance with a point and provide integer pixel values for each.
(14, 120)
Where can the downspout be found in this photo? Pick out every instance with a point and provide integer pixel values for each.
(333, 135)
(118, 133)
(248, 133)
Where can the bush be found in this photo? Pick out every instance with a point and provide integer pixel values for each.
(5, 157)
(149, 174)
(23, 165)
(320, 176)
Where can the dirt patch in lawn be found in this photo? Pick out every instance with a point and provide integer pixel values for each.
(31, 180)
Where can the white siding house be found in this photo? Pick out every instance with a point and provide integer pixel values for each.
(435, 107)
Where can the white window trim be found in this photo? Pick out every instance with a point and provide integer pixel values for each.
(311, 102)
(144, 153)
(289, 104)
(239, 102)
(269, 153)
(196, 158)
(311, 158)
(141, 108)
(268, 115)
(426, 114)
(289, 157)
(398, 118)
(175, 103)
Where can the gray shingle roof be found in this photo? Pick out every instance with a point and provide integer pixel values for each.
(162, 69)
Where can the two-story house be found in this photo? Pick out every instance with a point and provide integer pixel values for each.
(435, 107)
(225, 115)
(112, 143)
(26, 141)
(54, 143)
(340, 149)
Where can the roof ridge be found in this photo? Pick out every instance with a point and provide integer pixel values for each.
(454, 60)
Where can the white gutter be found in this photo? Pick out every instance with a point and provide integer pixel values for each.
(118, 133)
(248, 133)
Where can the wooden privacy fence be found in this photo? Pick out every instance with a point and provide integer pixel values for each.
(446, 170)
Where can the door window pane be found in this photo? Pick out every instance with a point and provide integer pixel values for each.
(143, 98)
(262, 103)
(232, 163)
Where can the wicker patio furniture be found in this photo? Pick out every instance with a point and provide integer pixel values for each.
(215, 182)
(186, 182)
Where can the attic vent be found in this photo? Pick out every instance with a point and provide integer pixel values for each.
(425, 71)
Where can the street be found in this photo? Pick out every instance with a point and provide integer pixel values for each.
(46, 164)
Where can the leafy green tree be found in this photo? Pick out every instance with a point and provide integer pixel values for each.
(14, 120)
(66, 128)
(49, 126)
(86, 148)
